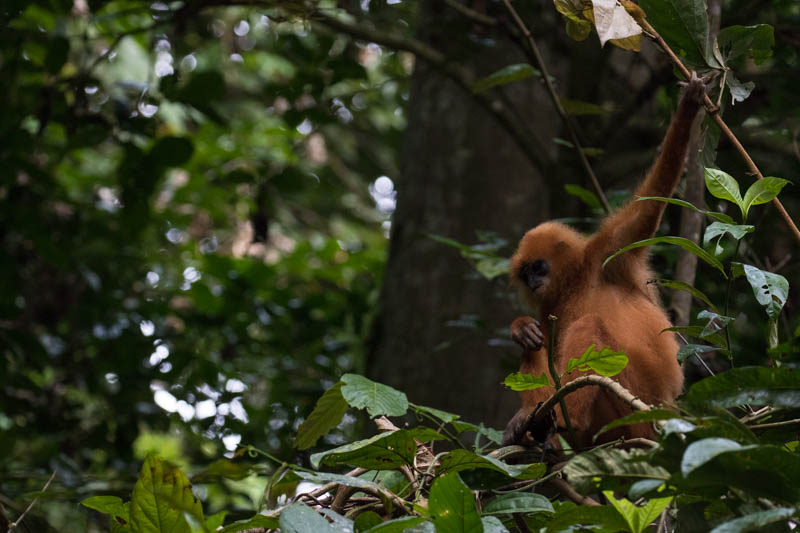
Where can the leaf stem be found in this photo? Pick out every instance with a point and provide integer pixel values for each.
(554, 375)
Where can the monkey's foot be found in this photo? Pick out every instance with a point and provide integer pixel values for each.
(694, 88)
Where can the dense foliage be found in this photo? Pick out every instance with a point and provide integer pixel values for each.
(195, 200)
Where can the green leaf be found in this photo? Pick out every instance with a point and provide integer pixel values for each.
(215, 521)
(107, 505)
(223, 468)
(444, 416)
(384, 451)
(638, 517)
(492, 524)
(452, 506)
(684, 26)
(686, 244)
(492, 267)
(458, 460)
(611, 467)
(605, 362)
(518, 502)
(300, 518)
(771, 290)
(689, 350)
(697, 331)
(327, 414)
(505, 75)
(777, 387)
(638, 417)
(258, 521)
(756, 521)
(378, 399)
(577, 108)
(716, 323)
(718, 229)
(398, 525)
(753, 41)
(366, 521)
(322, 478)
(605, 516)
(723, 186)
(681, 286)
(739, 91)
(722, 217)
(161, 496)
(763, 191)
(491, 434)
(583, 194)
(702, 451)
(519, 381)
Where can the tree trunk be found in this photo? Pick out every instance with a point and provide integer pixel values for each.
(441, 335)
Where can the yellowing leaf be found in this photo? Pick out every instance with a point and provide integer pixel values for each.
(613, 22)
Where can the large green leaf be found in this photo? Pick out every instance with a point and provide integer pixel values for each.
(684, 26)
(719, 229)
(688, 350)
(518, 502)
(111, 505)
(763, 191)
(258, 521)
(327, 414)
(751, 41)
(458, 460)
(723, 186)
(686, 244)
(376, 398)
(702, 451)
(605, 362)
(771, 290)
(161, 496)
(505, 75)
(300, 518)
(384, 451)
(519, 381)
(612, 467)
(722, 217)
(756, 521)
(452, 506)
(777, 387)
(681, 286)
(638, 517)
(398, 525)
(605, 516)
(639, 417)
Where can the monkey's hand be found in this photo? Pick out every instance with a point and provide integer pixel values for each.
(694, 89)
(523, 431)
(525, 332)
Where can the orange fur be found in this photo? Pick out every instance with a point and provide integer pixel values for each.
(611, 306)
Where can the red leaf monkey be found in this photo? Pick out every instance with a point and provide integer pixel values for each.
(560, 272)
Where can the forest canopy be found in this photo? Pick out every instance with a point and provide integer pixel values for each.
(254, 256)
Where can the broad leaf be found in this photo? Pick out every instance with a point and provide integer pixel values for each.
(688, 350)
(722, 217)
(716, 323)
(697, 331)
(258, 521)
(684, 26)
(458, 460)
(378, 399)
(491, 434)
(398, 525)
(444, 416)
(605, 516)
(519, 381)
(452, 506)
(702, 451)
(756, 521)
(492, 524)
(718, 229)
(612, 467)
(614, 23)
(686, 244)
(771, 290)
(505, 75)
(384, 451)
(638, 517)
(763, 191)
(519, 503)
(681, 286)
(777, 387)
(327, 414)
(300, 518)
(161, 496)
(583, 194)
(605, 362)
(751, 41)
(739, 91)
(723, 186)
(322, 478)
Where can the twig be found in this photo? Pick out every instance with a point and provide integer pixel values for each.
(13, 525)
(771, 425)
(551, 364)
(567, 490)
(713, 110)
(540, 64)
(470, 13)
(586, 381)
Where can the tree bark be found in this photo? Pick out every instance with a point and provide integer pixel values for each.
(441, 335)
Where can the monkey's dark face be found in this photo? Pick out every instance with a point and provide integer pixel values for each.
(534, 274)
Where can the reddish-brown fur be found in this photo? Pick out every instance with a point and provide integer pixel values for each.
(612, 306)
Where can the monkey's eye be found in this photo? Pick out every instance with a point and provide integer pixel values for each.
(541, 267)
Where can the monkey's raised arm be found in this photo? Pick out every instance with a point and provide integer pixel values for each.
(640, 220)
